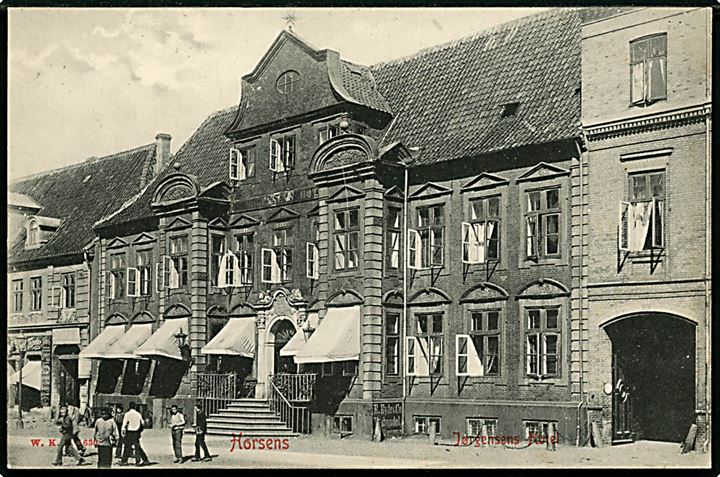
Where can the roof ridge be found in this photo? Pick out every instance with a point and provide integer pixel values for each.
(91, 160)
(466, 39)
(209, 118)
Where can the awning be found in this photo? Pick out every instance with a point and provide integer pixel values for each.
(66, 336)
(127, 344)
(163, 341)
(293, 346)
(337, 338)
(31, 375)
(102, 342)
(237, 338)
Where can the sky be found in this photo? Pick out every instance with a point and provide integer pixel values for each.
(92, 82)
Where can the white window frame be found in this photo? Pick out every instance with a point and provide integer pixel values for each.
(312, 262)
(159, 277)
(277, 157)
(476, 245)
(275, 272)
(421, 359)
(132, 285)
(237, 163)
(56, 298)
(414, 250)
(474, 362)
(171, 278)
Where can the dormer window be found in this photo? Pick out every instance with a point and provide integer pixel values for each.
(286, 82)
(33, 233)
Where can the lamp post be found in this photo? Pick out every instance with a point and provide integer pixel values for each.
(20, 340)
(181, 341)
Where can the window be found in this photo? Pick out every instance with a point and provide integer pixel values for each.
(342, 424)
(282, 153)
(648, 69)
(347, 233)
(17, 289)
(144, 271)
(328, 131)
(392, 344)
(428, 345)
(538, 429)
(242, 163)
(475, 426)
(33, 233)
(542, 342)
(425, 247)
(68, 290)
(423, 424)
(478, 354)
(36, 293)
(481, 235)
(177, 263)
(277, 261)
(542, 223)
(245, 253)
(116, 279)
(510, 109)
(217, 249)
(338, 368)
(287, 82)
(642, 220)
(393, 238)
(312, 254)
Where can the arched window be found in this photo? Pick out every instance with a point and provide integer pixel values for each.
(33, 233)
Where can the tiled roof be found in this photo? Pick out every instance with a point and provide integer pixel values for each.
(204, 155)
(79, 195)
(449, 99)
(22, 200)
(359, 82)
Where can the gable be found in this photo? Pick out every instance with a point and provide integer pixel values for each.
(346, 193)
(178, 223)
(394, 193)
(429, 191)
(543, 171)
(117, 242)
(429, 296)
(244, 220)
(484, 181)
(217, 223)
(144, 238)
(283, 213)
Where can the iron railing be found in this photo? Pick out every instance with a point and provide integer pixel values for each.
(297, 418)
(295, 387)
(217, 390)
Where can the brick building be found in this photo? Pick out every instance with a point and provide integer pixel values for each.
(645, 303)
(50, 258)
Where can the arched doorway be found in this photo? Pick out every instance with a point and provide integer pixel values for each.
(278, 336)
(653, 359)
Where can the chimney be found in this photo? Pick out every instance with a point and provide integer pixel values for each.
(162, 152)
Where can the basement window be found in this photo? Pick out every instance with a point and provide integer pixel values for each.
(423, 423)
(510, 109)
(343, 425)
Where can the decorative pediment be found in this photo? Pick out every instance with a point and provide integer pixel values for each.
(543, 171)
(484, 292)
(345, 297)
(117, 242)
(144, 238)
(243, 309)
(429, 296)
(393, 297)
(217, 311)
(484, 181)
(174, 188)
(394, 193)
(346, 193)
(177, 311)
(218, 223)
(243, 220)
(544, 288)
(283, 213)
(116, 319)
(178, 223)
(343, 150)
(143, 317)
(430, 190)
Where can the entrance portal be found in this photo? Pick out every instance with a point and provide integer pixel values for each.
(653, 377)
(281, 332)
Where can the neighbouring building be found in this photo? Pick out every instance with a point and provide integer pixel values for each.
(646, 308)
(50, 262)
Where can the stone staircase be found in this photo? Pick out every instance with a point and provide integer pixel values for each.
(252, 417)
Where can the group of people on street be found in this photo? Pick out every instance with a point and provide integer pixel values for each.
(123, 431)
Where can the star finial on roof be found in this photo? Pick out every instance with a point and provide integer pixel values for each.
(290, 20)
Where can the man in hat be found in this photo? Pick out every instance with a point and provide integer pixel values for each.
(200, 426)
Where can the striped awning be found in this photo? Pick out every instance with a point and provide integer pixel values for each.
(163, 342)
(337, 338)
(237, 338)
(97, 349)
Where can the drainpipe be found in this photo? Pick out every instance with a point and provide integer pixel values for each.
(403, 327)
(708, 272)
(583, 399)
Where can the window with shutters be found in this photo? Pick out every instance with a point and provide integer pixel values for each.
(542, 342)
(392, 344)
(116, 277)
(312, 253)
(245, 253)
(642, 217)
(346, 233)
(282, 153)
(143, 263)
(17, 293)
(543, 219)
(68, 290)
(177, 273)
(242, 163)
(478, 353)
(394, 234)
(648, 69)
(429, 337)
(277, 261)
(217, 249)
(36, 293)
(481, 233)
(426, 242)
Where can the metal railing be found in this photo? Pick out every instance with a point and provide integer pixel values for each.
(295, 387)
(217, 390)
(297, 418)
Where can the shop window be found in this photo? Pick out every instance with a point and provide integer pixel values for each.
(543, 219)
(481, 234)
(340, 368)
(478, 353)
(474, 426)
(424, 423)
(343, 425)
(426, 243)
(392, 344)
(346, 234)
(642, 218)
(542, 342)
(648, 69)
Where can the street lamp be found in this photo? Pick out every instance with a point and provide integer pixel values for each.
(20, 341)
(181, 340)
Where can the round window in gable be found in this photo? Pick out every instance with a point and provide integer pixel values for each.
(287, 82)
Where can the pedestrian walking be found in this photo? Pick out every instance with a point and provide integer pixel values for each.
(106, 436)
(132, 427)
(64, 421)
(119, 415)
(200, 425)
(177, 427)
(74, 414)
